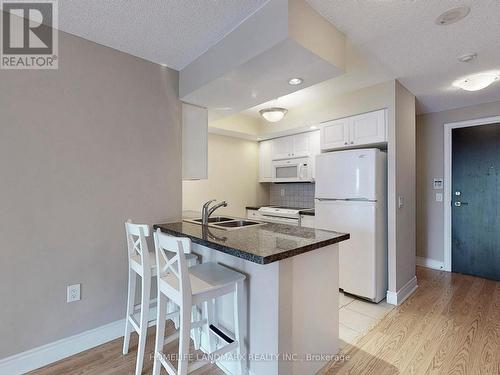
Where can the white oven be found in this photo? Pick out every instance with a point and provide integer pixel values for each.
(292, 170)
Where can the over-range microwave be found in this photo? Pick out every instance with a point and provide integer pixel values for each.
(293, 170)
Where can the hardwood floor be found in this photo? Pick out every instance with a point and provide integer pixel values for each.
(451, 325)
(108, 359)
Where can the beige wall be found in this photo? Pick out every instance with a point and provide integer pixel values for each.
(239, 124)
(82, 149)
(430, 165)
(404, 166)
(338, 106)
(232, 176)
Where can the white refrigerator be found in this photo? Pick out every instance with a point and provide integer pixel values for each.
(351, 196)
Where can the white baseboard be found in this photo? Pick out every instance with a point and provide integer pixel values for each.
(44, 355)
(397, 298)
(430, 263)
(55, 351)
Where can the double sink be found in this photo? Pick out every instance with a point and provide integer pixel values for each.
(226, 223)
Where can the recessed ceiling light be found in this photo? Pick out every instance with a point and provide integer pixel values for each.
(477, 81)
(273, 114)
(468, 57)
(164, 65)
(313, 127)
(295, 81)
(453, 15)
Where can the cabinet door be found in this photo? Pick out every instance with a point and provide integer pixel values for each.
(265, 161)
(301, 145)
(282, 148)
(368, 128)
(334, 134)
(194, 142)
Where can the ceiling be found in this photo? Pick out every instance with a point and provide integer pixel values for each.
(360, 71)
(171, 32)
(389, 39)
(403, 37)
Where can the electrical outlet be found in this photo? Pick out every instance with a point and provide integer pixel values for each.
(73, 293)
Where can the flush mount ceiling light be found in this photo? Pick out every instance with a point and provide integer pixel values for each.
(295, 81)
(273, 114)
(452, 16)
(477, 81)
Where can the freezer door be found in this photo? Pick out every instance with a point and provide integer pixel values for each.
(348, 174)
(357, 256)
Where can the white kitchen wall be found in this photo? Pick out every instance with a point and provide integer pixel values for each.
(232, 176)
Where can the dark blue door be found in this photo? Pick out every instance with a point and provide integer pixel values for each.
(476, 201)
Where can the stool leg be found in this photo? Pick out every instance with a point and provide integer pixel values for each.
(146, 290)
(132, 279)
(195, 316)
(160, 332)
(238, 324)
(209, 315)
(184, 337)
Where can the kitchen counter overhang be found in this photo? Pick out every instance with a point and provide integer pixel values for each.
(262, 244)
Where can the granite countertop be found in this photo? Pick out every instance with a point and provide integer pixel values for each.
(305, 211)
(261, 244)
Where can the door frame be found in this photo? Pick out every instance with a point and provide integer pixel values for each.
(448, 127)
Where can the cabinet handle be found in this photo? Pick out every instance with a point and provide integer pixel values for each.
(352, 142)
(346, 143)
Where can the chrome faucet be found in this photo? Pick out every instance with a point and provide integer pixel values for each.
(206, 211)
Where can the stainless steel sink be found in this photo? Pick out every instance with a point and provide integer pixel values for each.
(237, 224)
(226, 223)
(215, 219)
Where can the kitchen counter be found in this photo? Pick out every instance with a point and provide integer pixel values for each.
(261, 244)
(288, 269)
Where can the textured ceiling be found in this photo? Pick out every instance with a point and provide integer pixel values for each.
(402, 35)
(399, 35)
(171, 32)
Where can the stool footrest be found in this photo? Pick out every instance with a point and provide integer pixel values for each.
(221, 334)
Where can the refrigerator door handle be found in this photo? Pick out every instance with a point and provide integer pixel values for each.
(346, 199)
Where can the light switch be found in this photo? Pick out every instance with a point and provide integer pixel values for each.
(401, 201)
(439, 197)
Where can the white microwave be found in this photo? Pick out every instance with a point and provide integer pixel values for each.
(293, 170)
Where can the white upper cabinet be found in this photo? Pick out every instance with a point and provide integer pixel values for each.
(335, 134)
(301, 145)
(361, 130)
(282, 148)
(265, 161)
(194, 142)
(293, 146)
(368, 128)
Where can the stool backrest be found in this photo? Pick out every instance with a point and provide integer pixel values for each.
(136, 242)
(177, 263)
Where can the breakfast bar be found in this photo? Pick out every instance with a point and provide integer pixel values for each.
(291, 322)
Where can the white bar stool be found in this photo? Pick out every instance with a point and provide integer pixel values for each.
(142, 263)
(187, 287)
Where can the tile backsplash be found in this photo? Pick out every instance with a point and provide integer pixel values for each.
(292, 195)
